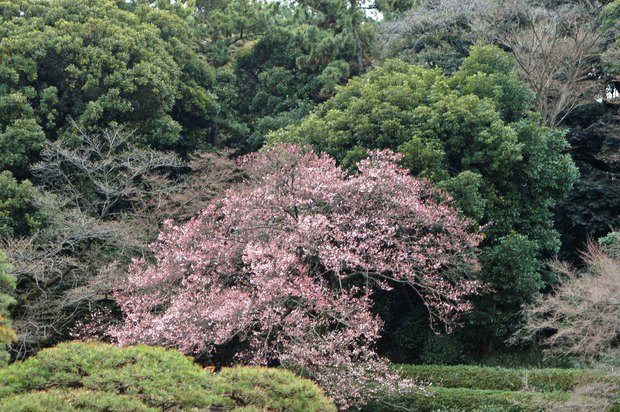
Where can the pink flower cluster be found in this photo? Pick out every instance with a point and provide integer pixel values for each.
(288, 263)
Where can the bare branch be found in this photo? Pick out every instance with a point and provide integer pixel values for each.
(582, 317)
(107, 173)
(556, 51)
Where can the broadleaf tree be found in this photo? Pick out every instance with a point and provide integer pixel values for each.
(286, 266)
(471, 134)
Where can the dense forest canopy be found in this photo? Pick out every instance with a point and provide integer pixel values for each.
(471, 134)
(312, 183)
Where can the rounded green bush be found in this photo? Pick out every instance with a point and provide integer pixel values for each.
(102, 377)
(160, 378)
(70, 400)
(273, 389)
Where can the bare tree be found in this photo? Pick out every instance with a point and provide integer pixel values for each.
(109, 176)
(436, 33)
(104, 201)
(557, 45)
(64, 270)
(210, 174)
(582, 317)
(108, 164)
(556, 50)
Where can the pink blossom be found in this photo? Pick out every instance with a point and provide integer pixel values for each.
(288, 264)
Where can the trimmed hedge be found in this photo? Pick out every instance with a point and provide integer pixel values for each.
(472, 377)
(495, 378)
(461, 399)
(495, 389)
(102, 377)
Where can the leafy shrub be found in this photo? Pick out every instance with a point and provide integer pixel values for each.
(547, 380)
(442, 349)
(102, 377)
(611, 243)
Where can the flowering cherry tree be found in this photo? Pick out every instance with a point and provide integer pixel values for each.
(288, 262)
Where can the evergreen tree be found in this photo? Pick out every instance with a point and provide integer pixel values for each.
(7, 285)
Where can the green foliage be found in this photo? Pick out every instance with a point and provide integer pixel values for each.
(513, 268)
(470, 134)
(466, 187)
(611, 14)
(442, 349)
(298, 62)
(471, 377)
(161, 377)
(611, 243)
(7, 336)
(102, 63)
(610, 23)
(373, 111)
(7, 285)
(102, 377)
(277, 90)
(392, 8)
(486, 72)
(230, 24)
(19, 215)
(21, 137)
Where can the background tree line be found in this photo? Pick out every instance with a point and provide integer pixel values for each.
(112, 112)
